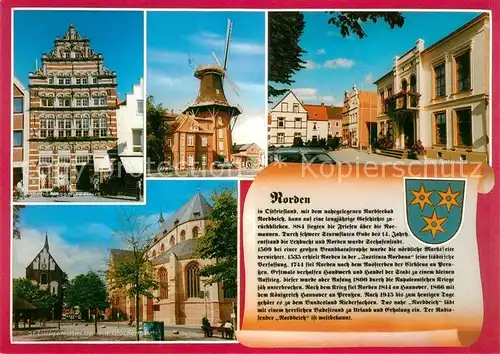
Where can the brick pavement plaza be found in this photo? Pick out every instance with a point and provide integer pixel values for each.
(84, 331)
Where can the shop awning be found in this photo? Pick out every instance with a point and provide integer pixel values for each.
(102, 163)
(133, 164)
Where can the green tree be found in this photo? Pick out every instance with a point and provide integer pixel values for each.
(285, 53)
(88, 291)
(286, 28)
(157, 130)
(219, 242)
(42, 299)
(135, 272)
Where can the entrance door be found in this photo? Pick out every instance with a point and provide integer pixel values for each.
(83, 177)
(409, 132)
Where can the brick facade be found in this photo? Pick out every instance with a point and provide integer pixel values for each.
(73, 104)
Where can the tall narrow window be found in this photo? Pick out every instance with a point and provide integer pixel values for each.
(192, 280)
(137, 140)
(204, 141)
(440, 124)
(140, 106)
(190, 140)
(296, 107)
(281, 122)
(18, 105)
(195, 232)
(172, 241)
(297, 123)
(44, 279)
(413, 83)
(404, 85)
(163, 278)
(464, 127)
(284, 107)
(440, 80)
(280, 138)
(183, 235)
(18, 138)
(463, 72)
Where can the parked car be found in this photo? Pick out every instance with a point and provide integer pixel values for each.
(223, 165)
(301, 155)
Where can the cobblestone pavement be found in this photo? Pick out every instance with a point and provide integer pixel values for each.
(106, 331)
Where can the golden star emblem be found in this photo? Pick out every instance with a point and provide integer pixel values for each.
(448, 198)
(422, 197)
(434, 224)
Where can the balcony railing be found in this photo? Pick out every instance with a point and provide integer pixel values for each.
(401, 101)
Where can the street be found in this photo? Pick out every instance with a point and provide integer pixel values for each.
(106, 331)
(350, 155)
(209, 173)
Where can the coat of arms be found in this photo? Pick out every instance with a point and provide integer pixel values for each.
(434, 208)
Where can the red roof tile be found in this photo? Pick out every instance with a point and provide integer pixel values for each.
(316, 112)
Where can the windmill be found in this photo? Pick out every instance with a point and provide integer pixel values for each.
(212, 103)
(224, 65)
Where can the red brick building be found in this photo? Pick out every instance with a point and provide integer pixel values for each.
(202, 134)
(20, 123)
(72, 123)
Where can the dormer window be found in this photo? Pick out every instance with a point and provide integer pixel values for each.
(196, 213)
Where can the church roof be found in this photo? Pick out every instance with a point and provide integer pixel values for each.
(119, 255)
(182, 250)
(197, 208)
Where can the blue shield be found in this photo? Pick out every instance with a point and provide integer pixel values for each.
(434, 208)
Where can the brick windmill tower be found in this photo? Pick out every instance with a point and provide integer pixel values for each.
(212, 103)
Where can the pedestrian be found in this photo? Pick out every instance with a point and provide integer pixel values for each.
(139, 188)
(20, 190)
(96, 184)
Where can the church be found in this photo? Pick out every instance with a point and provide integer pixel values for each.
(44, 270)
(183, 296)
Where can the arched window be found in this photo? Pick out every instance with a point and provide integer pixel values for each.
(195, 232)
(404, 85)
(44, 279)
(413, 83)
(172, 240)
(183, 235)
(154, 253)
(192, 280)
(162, 247)
(163, 277)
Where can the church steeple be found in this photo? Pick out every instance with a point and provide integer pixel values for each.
(161, 220)
(46, 246)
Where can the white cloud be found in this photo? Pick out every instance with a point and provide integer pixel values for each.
(338, 63)
(369, 78)
(214, 40)
(311, 96)
(321, 51)
(311, 65)
(251, 127)
(158, 78)
(73, 259)
(166, 57)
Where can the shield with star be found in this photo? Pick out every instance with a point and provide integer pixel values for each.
(434, 208)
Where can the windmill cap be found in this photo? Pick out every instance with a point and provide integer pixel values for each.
(208, 69)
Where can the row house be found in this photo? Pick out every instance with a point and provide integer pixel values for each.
(334, 121)
(317, 122)
(359, 118)
(440, 95)
(288, 121)
(72, 120)
(130, 125)
(20, 114)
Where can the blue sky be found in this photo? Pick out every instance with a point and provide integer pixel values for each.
(173, 37)
(336, 63)
(117, 35)
(80, 236)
